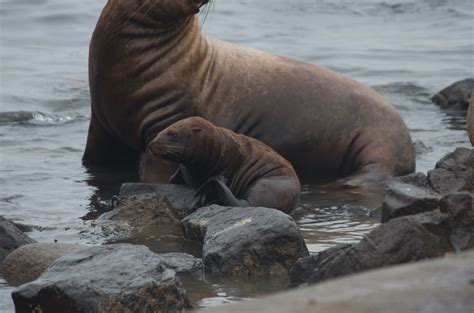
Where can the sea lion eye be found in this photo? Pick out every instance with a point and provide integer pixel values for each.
(196, 130)
(172, 134)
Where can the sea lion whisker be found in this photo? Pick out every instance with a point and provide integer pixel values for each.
(206, 11)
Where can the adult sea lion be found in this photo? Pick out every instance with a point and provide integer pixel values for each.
(151, 66)
(470, 119)
(243, 170)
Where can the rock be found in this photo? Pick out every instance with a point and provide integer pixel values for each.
(470, 121)
(110, 278)
(454, 172)
(455, 96)
(11, 237)
(245, 242)
(435, 286)
(142, 216)
(181, 197)
(28, 262)
(460, 207)
(421, 148)
(408, 195)
(401, 240)
(182, 262)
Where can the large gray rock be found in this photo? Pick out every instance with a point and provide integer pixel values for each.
(181, 197)
(245, 242)
(28, 262)
(454, 172)
(111, 278)
(11, 237)
(140, 217)
(436, 286)
(460, 207)
(401, 240)
(408, 195)
(455, 96)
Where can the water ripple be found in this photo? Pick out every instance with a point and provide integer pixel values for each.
(38, 118)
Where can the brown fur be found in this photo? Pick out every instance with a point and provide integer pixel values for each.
(208, 151)
(151, 66)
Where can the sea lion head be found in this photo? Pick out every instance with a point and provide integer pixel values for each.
(171, 10)
(178, 142)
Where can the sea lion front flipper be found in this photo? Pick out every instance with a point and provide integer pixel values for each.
(177, 178)
(215, 191)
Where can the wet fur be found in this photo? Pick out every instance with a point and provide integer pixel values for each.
(146, 74)
(207, 152)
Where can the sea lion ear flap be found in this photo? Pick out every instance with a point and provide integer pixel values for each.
(196, 129)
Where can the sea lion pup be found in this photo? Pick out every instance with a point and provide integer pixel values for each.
(470, 119)
(241, 171)
(150, 66)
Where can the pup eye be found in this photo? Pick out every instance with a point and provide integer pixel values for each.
(196, 130)
(172, 134)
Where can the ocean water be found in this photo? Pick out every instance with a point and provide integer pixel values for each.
(406, 50)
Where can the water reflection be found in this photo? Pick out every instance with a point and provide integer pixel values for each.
(106, 182)
(330, 214)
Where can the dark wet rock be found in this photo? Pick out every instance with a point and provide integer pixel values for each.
(408, 195)
(245, 242)
(460, 207)
(470, 121)
(424, 216)
(140, 217)
(22, 227)
(182, 262)
(455, 96)
(376, 213)
(28, 262)
(11, 237)
(181, 197)
(454, 172)
(111, 278)
(421, 148)
(436, 286)
(401, 240)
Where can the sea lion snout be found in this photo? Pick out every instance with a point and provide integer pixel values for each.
(171, 143)
(163, 142)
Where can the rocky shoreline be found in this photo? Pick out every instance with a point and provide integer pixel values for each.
(423, 216)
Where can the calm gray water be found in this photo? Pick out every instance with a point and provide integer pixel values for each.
(407, 50)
